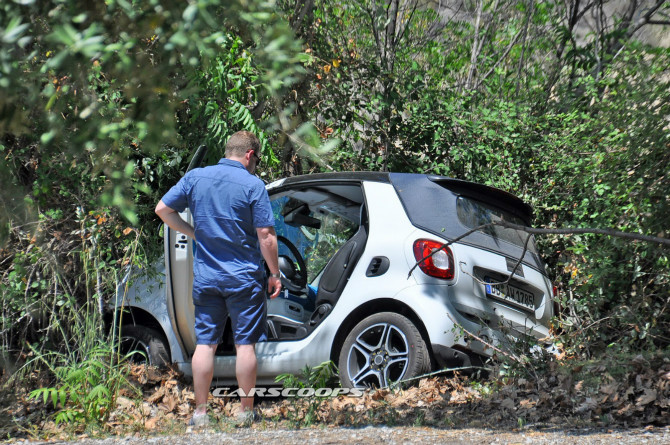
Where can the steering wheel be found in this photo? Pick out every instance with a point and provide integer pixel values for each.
(296, 279)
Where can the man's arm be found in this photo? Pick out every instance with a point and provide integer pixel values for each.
(171, 217)
(268, 241)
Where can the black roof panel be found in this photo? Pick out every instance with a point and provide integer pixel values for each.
(338, 176)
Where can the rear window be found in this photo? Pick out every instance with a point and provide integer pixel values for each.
(472, 213)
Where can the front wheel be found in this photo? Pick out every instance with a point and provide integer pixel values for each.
(382, 349)
(144, 345)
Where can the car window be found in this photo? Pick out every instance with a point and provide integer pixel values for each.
(316, 245)
(473, 213)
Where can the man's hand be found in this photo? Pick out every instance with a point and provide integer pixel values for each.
(274, 287)
(267, 238)
(172, 219)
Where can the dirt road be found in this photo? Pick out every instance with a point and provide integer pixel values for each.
(398, 435)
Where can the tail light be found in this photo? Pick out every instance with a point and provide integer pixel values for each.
(557, 305)
(440, 264)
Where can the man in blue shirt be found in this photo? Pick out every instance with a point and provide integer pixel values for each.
(233, 226)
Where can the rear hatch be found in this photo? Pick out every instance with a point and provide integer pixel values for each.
(449, 208)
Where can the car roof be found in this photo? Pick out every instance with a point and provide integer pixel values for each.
(456, 185)
(330, 177)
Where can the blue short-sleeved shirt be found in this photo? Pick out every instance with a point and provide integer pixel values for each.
(228, 204)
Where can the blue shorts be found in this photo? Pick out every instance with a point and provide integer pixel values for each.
(246, 307)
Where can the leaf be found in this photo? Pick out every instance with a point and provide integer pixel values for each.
(649, 396)
(156, 396)
(99, 392)
(509, 404)
(588, 405)
(190, 13)
(151, 424)
(170, 402)
(14, 30)
(609, 389)
(54, 397)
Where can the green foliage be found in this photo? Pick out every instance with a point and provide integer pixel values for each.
(67, 336)
(104, 84)
(221, 104)
(86, 384)
(320, 376)
(101, 105)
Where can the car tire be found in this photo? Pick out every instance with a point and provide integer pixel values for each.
(382, 349)
(144, 345)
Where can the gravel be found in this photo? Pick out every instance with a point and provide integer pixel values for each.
(398, 435)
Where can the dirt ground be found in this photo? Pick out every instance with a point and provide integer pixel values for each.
(566, 403)
(400, 435)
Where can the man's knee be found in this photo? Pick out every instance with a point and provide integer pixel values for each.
(203, 356)
(246, 355)
(206, 349)
(246, 348)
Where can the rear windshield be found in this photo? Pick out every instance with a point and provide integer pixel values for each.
(472, 213)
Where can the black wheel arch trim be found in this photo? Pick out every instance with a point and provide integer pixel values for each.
(134, 315)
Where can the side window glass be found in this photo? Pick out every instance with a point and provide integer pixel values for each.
(335, 231)
(303, 238)
(316, 246)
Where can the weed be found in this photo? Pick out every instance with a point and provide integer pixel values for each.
(448, 422)
(88, 370)
(420, 419)
(390, 416)
(320, 376)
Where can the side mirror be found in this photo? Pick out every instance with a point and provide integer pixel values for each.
(197, 158)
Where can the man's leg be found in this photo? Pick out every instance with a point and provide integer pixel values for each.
(202, 365)
(245, 371)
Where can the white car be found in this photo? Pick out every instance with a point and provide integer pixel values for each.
(347, 244)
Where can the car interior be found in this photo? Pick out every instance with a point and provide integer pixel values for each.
(321, 234)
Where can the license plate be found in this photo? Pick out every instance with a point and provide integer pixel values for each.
(511, 294)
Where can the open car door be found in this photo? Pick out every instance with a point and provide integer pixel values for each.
(179, 251)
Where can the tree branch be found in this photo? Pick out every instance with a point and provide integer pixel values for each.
(390, 42)
(301, 10)
(401, 34)
(523, 46)
(475, 49)
(375, 32)
(645, 18)
(507, 50)
(579, 231)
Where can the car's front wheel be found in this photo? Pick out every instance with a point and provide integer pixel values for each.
(144, 345)
(382, 349)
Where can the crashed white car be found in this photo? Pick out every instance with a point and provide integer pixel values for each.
(347, 244)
